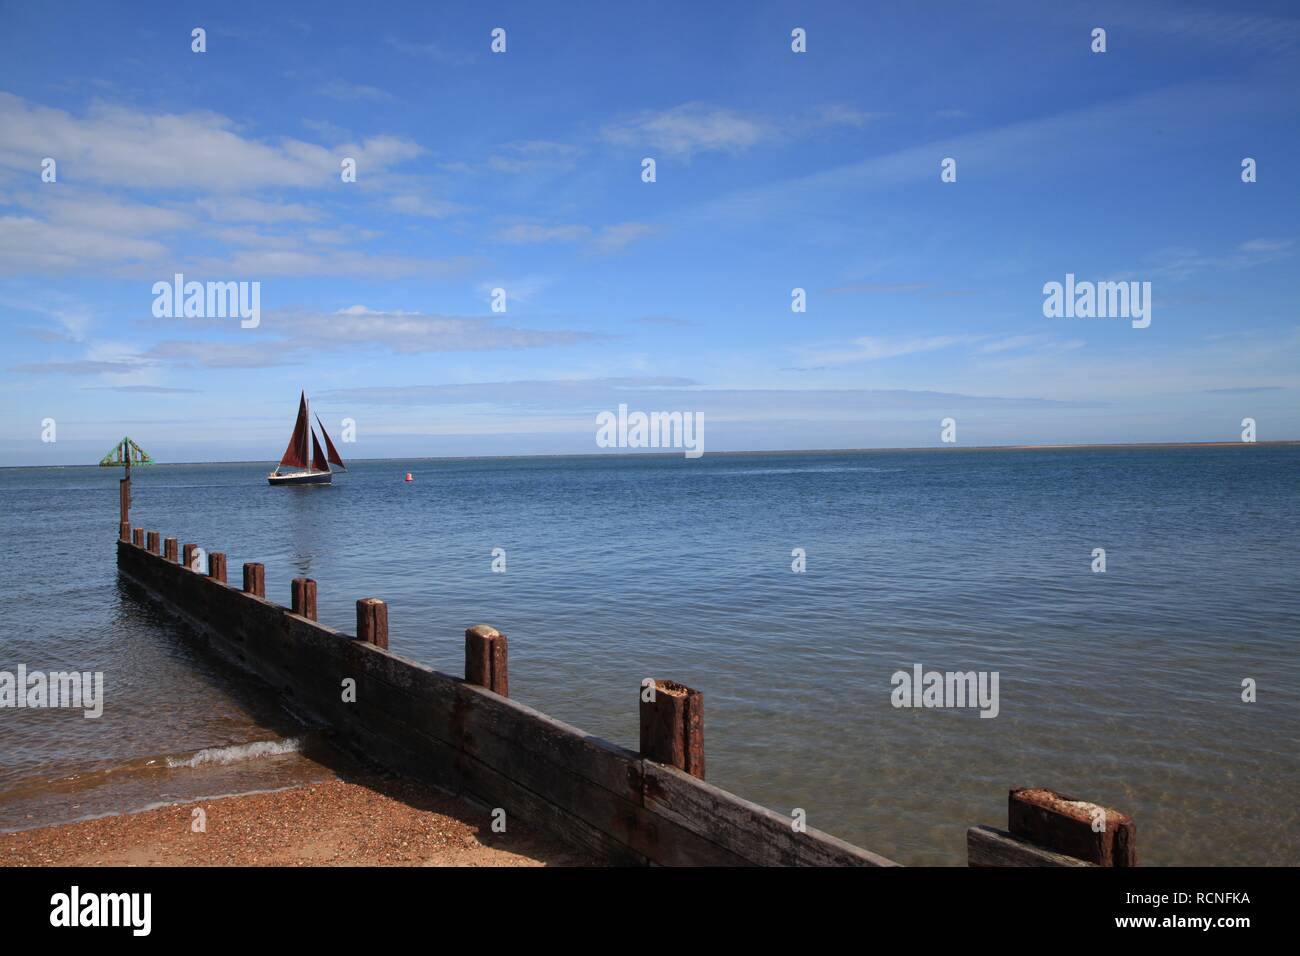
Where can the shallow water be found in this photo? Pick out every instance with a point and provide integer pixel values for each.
(1123, 687)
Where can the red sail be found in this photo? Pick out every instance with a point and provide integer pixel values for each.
(318, 462)
(295, 456)
(329, 446)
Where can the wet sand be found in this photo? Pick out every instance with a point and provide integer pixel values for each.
(366, 820)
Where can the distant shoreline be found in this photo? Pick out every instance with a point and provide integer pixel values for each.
(1135, 446)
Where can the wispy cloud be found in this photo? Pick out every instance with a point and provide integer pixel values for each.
(522, 391)
(1017, 343)
(224, 354)
(141, 389)
(616, 238)
(413, 332)
(414, 204)
(530, 156)
(532, 232)
(667, 321)
(1184, 263)
(869, 348)
(523, 404)
(687, 129)
(874, 288)
(247, 209)
(354, 92)
(353, 263)
(124, 147)
(288, 337)
(605, 239)
(428, 50)
(29, 245)
(77, 367)
(1245, 390)
(699, 128)
(1267, 247)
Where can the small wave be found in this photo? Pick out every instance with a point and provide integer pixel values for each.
(237, 752)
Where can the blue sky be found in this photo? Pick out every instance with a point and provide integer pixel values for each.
(522, 171)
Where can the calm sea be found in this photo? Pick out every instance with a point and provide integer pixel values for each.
(1123, 687)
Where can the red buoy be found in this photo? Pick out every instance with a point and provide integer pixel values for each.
(408, 477)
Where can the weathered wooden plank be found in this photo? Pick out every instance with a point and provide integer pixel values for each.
(543, 755)
(498, 790)
(405, 749)
(752, 832)
(986, 846)
(588, 778)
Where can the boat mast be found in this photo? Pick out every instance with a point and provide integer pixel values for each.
(311, 466)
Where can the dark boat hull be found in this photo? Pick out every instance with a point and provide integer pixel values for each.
(301, 478)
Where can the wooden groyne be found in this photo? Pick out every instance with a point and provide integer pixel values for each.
(466, 735)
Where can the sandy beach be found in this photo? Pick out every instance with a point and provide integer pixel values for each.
(367, 820)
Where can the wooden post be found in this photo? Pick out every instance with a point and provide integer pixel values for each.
(672, 726)
(151, 540)
(217, 566)
(188, 554)
(1071, 826)
(137, 537)
(254, 579)
(1046, 828)
(124, 499)
(372, 622)
(169, 549)
(304, 597)
(485, 659)
(124, 531)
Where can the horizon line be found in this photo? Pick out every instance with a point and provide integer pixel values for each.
(676, 453)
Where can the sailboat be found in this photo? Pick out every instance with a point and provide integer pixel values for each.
(300, 471)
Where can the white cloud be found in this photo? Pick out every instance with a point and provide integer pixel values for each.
(604, 240)
(533, 155)
(1266, 247)
(698, 127)
(838, 114)
(29, 245)
(412, 204)
(429, 51)
(689, 128)
(123, 147)
(79, 208)
(615, 238)
(518, 289)
(869, 348)
(244, 209)
(352, 263)
(530, 232)
(353, 92)
(413, 332)
(222, 354)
